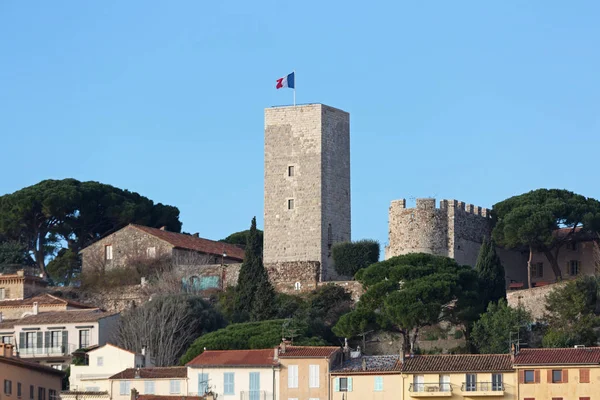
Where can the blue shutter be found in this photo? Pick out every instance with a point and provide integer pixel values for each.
(254, 385)
(349, 384)
(202, 384)
(229, 386)
(336, 384)
(379, 383)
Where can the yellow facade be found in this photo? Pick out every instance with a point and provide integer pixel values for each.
(375, 386)
(576, 382)
(454, 385)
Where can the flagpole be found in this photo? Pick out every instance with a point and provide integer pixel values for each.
(294, 88)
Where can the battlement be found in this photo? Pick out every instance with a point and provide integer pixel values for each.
(430, 204)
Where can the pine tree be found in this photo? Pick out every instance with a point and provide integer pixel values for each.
(492, 283)
(254, 293)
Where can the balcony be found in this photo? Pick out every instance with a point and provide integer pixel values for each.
(430, 390)
(482, 389)
(51, 351)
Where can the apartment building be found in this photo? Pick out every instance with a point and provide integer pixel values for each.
(558, 374)
(367, 377)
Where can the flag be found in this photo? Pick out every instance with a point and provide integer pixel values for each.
(286, 81)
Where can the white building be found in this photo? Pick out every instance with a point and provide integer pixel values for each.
(50, 338)
(166, 381)
(102, 363)
(235, 374)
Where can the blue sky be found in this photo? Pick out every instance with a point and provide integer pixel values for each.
(467, 100)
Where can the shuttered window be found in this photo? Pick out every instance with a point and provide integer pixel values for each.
(229, 384)
(584, 375)
(175, 386)
(149, 387)
(293, 376)
(124, 388)
(313, 376)
(379, 383)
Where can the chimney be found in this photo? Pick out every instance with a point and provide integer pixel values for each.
(276, 354)
(134, 394)
(364, 364)
(282, 346)
(137, 373)
(6, 350)
(36, 308)
(346, 350)
(163, 228)
(197, 234)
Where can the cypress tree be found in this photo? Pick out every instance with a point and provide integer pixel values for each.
(254, 293)
(492, 283)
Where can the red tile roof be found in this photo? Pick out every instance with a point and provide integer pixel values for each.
(308, 351)
(19, 362)
(42, 300)
(152, 373)
(238, 358)
(194, 243)
(587, 355)
(458, 363)
(64, 317)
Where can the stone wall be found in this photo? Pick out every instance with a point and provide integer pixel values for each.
(20, 285)
(294, 276)
(353, 287)
(313, 140)
(533, 300)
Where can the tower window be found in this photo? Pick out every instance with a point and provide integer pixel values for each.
(290, 204)
(297, 286)
(290, 170)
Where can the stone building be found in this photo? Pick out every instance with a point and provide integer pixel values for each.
(307, 188)
(20, 285)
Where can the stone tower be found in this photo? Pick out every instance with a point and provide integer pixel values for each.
(307, 184)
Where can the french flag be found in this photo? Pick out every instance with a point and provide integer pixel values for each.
(286, 81)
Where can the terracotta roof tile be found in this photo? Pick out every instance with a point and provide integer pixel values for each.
(42, 299)
(308, 351)
(189, 242)
(240, 358)
(19, 362)
(586, 355)
(458, 363)
(152, 373)
(8, 324)
(64, 317)
(372, 364)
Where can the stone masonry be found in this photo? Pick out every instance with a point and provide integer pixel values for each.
(307, 185)
(453, 230)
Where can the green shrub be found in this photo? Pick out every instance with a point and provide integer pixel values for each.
(458, 334)
(350, 257)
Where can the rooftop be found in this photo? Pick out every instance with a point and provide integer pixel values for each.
(42, 299)
(189, 242)
(152, 373)
(558, 356)
(18, 362)
(372, 364)
(237, 358)
(308, 351)
(458, 363)
(64, 317)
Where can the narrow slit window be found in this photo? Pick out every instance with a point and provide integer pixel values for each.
(290, 204)
(291, 170)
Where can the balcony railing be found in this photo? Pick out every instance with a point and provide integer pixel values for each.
(430, 387)
(45, 351)
(482, 387)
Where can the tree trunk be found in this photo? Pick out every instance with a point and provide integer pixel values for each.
(39, 255)
(405, 342)
(529, 267)
(553, 259)
(413, 340)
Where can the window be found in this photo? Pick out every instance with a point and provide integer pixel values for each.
(297, 286)
(229, 386)
(471, 385)
(343, 384)
(290, 170)
(108, 253)
(54, 339)
(572, 246)
(56, 366)
(175, 386)
(41, 393)
(573, 267)
(149, 387)
(84, 338)
(2, 293)
(52, 394)
(497, 383)
(202, 384)
(537, 270)
(313, 376)
(290, 204)
(31, 392)
(100, 361)
(584, 376)
(329, 235)
(254, 386)
(7, 387)
(19, 389)
(30, 340)
(124, 388)
(151, 252)
(444, 383)
(378, 384)
(556, 376)
(7, 339)
(418, 383)
(293, 376)
(529, 376)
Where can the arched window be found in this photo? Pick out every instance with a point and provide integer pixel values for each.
(297, 286)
